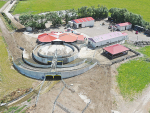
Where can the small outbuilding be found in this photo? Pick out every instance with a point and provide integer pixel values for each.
(124, 26)
(115, 51)
(105, 39)
(83, 22)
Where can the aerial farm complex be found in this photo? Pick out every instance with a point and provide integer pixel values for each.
(71, 61)
(56, 55)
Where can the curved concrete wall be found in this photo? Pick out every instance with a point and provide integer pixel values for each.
(48, 66)
(39, 75)
(76, 46)
(45, 60)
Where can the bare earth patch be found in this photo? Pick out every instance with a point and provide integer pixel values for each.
(95, 85)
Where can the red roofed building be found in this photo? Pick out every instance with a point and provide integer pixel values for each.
(115, 51)
(47, 37)
(124, 26)
(83, 22)
(68, 37)
(80, 39)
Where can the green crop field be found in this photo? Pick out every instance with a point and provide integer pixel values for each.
(2, 3)
(37, 6)
(10, 79)
(134, 75)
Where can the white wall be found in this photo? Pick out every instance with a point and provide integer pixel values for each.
(84, 24)
(129, 26)
(104, 42)
(64, 74)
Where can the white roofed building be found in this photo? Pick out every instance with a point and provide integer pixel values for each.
(104, 39)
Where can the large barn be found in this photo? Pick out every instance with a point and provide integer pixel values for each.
(124, 26)
(83, 22)
(107, 39)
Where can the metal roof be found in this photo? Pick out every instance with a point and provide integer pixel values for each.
(83, 20)
(46, 37)
(80, 37)
(106, 36)
(68, 37)
(115, 49)
(124, 24)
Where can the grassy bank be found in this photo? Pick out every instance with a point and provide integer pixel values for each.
(2, 3)
(37, 6)
(134, 75)
(10, 78)
(10, 26)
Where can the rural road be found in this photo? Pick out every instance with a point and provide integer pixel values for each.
(6, 11)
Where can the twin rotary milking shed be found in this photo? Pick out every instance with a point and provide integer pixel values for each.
(82, 22)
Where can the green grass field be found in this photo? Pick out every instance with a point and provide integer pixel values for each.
(11, 80)
(38, 6)
(134, 75)
(145, 51)
(2, 3)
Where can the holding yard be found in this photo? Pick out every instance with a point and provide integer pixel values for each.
(37, 6)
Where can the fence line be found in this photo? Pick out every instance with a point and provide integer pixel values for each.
(64, 108)
(56, 99)
(72, 90)
(31, 90)
(86, 107)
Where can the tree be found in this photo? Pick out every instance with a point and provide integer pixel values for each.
(82, 12)
(54, 17)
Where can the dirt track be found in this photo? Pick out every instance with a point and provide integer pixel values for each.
(15, 39)
(95, 86)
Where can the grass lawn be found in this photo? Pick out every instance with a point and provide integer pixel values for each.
(145, 51)
(11, 80)
(134, 75)
(2, 3)
(38, 6)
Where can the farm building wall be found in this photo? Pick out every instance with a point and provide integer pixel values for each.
(39, 75)
(84, 24)
(129, 26)
(125, 27)
(104, 42)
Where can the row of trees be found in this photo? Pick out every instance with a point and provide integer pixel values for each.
(96, 13)
(100, 12)
(123, 15)
(38, 21)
